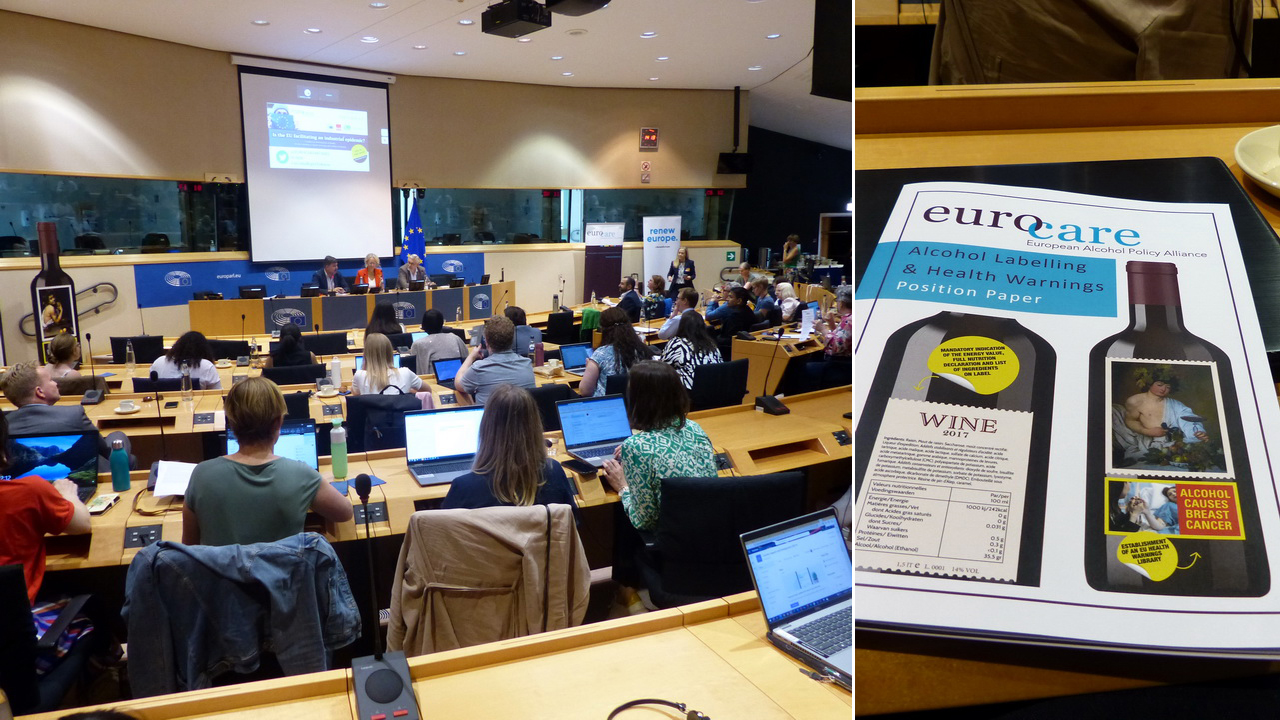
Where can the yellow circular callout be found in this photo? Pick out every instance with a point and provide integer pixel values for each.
(1148, 554)
(359, 153)
(977, 363)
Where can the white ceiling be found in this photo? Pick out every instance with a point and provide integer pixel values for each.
(711, 44)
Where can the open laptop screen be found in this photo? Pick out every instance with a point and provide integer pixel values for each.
(575, 356)
(53, 457)
(446, 369)
(395, 361)
(297, 442)
(590, 421)
(799, 565)
(432, 435)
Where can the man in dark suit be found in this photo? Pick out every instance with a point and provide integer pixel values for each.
(33, 390)
(629, 300)
(329, 279)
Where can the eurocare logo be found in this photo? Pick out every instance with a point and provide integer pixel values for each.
(285, 316)
(177, 278)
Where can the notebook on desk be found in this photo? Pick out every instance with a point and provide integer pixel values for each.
(593, 427)
(440, 445)
(297, 442)
(803, 574)
(575, 357)
(73, 456)
(445, 371)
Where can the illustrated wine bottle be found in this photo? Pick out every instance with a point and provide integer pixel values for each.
(952, 451)
(1170, 503)
(53, 293)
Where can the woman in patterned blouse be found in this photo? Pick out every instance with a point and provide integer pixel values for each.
(692, 346)
(666, 444)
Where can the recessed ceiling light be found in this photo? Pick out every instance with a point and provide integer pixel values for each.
(756, 67)
(377, 5)
(524, 39)
(567, 74)
(419, 47)
(557, 57)
(369, 39)
(774, 36)
(652, 79)
(459, 53)
(466, 22)
(575, 32)
(663, 58)
(313, 31)
(261, 22)
(648, 34)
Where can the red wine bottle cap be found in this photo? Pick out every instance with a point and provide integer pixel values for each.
(1153, 283)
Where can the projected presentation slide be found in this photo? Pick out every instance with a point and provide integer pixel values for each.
(317, 138)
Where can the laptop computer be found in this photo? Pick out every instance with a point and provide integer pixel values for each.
(417, 284)
(55, 456)
(803, 574)
(395, 361)
(440, 445)
(360, 289)
(575, 357)
(445, 371)
(417, 336)
(297, 442)
(593, 427)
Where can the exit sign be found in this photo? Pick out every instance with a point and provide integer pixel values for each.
(648, 139)
(730, 255)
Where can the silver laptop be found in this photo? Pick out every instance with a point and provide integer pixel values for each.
(297, 442)
(440, 445)
(803, 573)
(593, 427)
(575, 357)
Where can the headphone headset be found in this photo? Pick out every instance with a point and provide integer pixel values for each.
(688, 714)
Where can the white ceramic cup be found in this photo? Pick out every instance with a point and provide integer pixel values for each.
(127, 405)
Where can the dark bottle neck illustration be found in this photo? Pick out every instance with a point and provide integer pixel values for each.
(1154, 302)
(48, 234)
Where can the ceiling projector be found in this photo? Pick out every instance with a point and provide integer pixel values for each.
(515, 18)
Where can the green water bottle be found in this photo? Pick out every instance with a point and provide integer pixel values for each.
(338, 449)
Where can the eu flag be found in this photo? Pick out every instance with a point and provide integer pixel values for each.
(414, 241)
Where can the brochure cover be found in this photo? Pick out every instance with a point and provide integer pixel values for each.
(1061, 401)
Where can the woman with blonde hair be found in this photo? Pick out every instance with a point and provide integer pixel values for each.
(64, 351)
(511, 465)
(371, 273)
(254, 495)
(379, 371)
(787, 300)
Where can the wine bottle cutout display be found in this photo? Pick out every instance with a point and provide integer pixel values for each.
(1170, 501)
(952, 451)
(53, 294)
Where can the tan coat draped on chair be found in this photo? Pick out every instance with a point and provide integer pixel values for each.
(467, 577)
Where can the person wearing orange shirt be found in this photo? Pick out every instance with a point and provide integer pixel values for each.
(371, 273)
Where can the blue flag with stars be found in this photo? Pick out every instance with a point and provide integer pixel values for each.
(414, 241)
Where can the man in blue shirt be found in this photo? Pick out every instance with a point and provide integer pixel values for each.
(483, 370)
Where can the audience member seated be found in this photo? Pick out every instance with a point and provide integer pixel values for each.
(255, 495)
(328, 279)
(718, 301)
(692, 346)
(787, 300)
(371, 273)
(764, 302)
(439, 344)
(64, 353)
(33, 508)
(835, 332)
(738, 316)
(620, 348)
(412, 271)
(686, 300)
(628, 299)
(655, 301)
(379, 372)
(665, 444)
(193, 349)
(526, 334)
(291, 350)
(383, 320)
(485, 369)
(511, 465)
(34, 392)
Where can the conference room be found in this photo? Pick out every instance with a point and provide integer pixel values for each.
(149, 189)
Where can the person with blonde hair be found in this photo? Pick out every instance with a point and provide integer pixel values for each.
(254, 495)
(681, 274)
(64, 352)
(511, 465)
(371, 273)
(787, 300)
(379, 371)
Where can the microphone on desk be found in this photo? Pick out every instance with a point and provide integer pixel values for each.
(381, 680)
(242, 326)
(502, 276)
(770, 404)
(143, 321)
(92, 396)
(14, 229)
(317, 327)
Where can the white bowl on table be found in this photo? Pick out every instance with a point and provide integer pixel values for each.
(1258, 155)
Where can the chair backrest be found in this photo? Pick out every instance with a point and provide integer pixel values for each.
(18, 638)
(229, 349)
(399, 340)
(295, 374)
(78, 385)
(142, 385)
(297, 405)
(699, 522)
(616, 384)
(90, 241)
(376, 422)
(719, 384)
(560, 329)
(529, 584)
(326, 343)
(409, 361)
(546, 397)
(146, 348)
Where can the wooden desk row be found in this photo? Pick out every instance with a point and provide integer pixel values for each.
(712, 656)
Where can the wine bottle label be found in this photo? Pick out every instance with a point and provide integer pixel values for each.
(945, 485)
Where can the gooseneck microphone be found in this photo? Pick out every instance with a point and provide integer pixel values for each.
(164, 448)
(769, 402)
(242, 326)
(92, 395)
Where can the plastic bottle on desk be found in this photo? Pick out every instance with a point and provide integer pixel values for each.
(186, 382)
(130, 360)
(338, 449)
(335, 373)
(119, 466)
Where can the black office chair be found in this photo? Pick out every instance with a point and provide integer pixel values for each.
(90, 241)
(457, 331)
(441, 279)
(376, 422)
(27, 691)
(229, 349)
(719, 385)
(409, 361)
(295, 374)
(616, 384)
(155, 243)
(334, 343)
(146, 348)
(149, 385)
(399, 340)
(297, 405)
(546, 397)
(78, 385)
(560, 329)
(695, 553)
(14, 245)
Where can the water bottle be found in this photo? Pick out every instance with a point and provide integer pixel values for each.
(593, 297)
(338, 449)
(335, 373)
(533, 349)
(119, 466)
(130, 360)
(186, 382)
(539, 358)
(457, 314)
